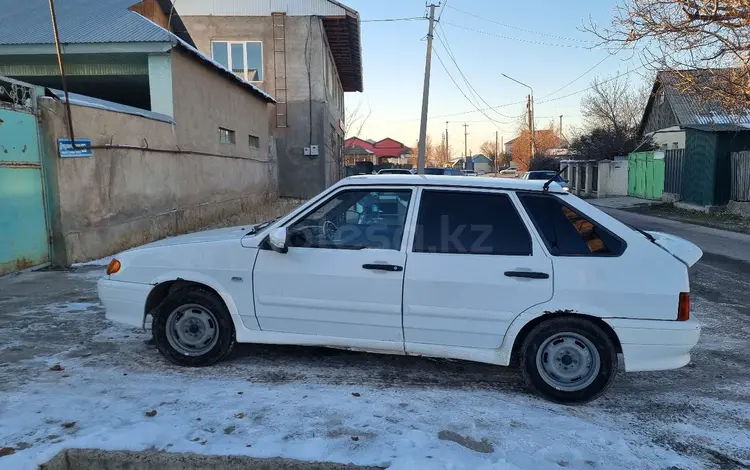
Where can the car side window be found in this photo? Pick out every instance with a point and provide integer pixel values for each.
(566, 232)
(476, 223)
(354, 219)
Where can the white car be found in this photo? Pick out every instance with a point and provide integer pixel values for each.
(505, 272)
(508, 173)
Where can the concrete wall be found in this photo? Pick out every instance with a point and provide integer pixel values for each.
(314, 109)
(120, 198)
(613, 179)
(205, 101)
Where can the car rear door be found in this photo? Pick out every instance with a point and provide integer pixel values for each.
(473, 265)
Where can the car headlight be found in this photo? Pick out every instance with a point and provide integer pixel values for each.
(565, 188)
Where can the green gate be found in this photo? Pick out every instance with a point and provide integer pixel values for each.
(23, 221)
(646, 175)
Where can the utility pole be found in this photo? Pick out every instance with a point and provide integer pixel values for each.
(425, 94)
(502, 145)
(561, 126)
(530, 117)
(466, 142)
(497, 150)
(447, 144)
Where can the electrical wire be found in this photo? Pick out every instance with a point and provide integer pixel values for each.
(583, 74)
(462, 91)
(547, 100)
(442, 10)
(519, 29)
(382, 20)
(530, 41)
(444, 41)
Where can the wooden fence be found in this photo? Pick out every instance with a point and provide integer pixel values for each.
(740, 176)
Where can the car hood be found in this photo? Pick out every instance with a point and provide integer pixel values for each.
(222, 234)
(680, 248)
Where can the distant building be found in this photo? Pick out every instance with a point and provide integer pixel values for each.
(383, 151)
(306, 54)
(669, 111)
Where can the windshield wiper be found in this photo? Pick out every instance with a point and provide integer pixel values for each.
(642, 232)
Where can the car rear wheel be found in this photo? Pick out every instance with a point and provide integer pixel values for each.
(568, 360)
(193, 328)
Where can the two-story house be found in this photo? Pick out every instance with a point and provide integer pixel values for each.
(306, 55)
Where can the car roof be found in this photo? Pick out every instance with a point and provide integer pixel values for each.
(452, 181)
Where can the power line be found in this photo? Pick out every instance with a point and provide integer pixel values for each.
(472, 90)
(544, 101)
(583, 74)
(517, 28)
(442, 10)
(461, 90)
(530, 41)
(382, 20)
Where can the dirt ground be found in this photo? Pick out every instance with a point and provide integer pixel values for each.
(720, 220)
(699, 415)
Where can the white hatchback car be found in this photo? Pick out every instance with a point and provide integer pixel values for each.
(483, 269)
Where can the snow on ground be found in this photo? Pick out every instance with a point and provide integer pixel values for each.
(398, 427)
(94, 262)
(400, 412)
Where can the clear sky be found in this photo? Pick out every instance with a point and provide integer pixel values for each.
(552, 52)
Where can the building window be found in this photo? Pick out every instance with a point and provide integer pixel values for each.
(675, 145)
(245, 58)
(253, 141)
(226, 136)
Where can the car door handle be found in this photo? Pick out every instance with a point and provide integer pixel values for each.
(383, 267)
(527, 274)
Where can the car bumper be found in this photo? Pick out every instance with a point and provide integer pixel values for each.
(655, 345)
(124, 302)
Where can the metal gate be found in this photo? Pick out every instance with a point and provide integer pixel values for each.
(23, 221)
(646, 174)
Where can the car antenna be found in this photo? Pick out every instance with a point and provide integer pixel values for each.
(545, 188)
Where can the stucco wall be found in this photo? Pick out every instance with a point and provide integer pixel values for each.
(121, 198)
(310, 121)
(613, 178)
(205, 101)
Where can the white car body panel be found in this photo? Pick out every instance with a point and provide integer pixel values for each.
(455, 306)
(467, 301)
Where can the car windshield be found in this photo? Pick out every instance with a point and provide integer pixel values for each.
(434, 171)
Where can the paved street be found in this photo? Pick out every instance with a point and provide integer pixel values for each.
(712, 241)
(406, 412)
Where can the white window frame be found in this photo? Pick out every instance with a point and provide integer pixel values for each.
(244, 57)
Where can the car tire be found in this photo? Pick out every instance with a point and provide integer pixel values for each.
(568, 360)
(192, 327)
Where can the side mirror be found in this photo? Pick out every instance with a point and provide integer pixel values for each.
(278, 240)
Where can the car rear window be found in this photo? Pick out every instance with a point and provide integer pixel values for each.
(470, 223)
(567, 232)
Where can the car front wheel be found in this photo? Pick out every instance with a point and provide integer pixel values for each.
(568, 360)
(193, 328)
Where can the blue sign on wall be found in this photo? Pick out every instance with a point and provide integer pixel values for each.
(65, 147)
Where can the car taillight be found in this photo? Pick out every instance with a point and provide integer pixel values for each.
(683, 307)
(113, 266)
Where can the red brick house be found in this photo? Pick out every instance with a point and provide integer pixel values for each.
(383, 151)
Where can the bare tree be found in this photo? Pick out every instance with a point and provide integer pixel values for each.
(355, 121)
(612, 111)
(685, 36)
(612, 104)
(443, 153)
(430, 153)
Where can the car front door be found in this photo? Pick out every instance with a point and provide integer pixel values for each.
(343, 273)
(473, 266)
